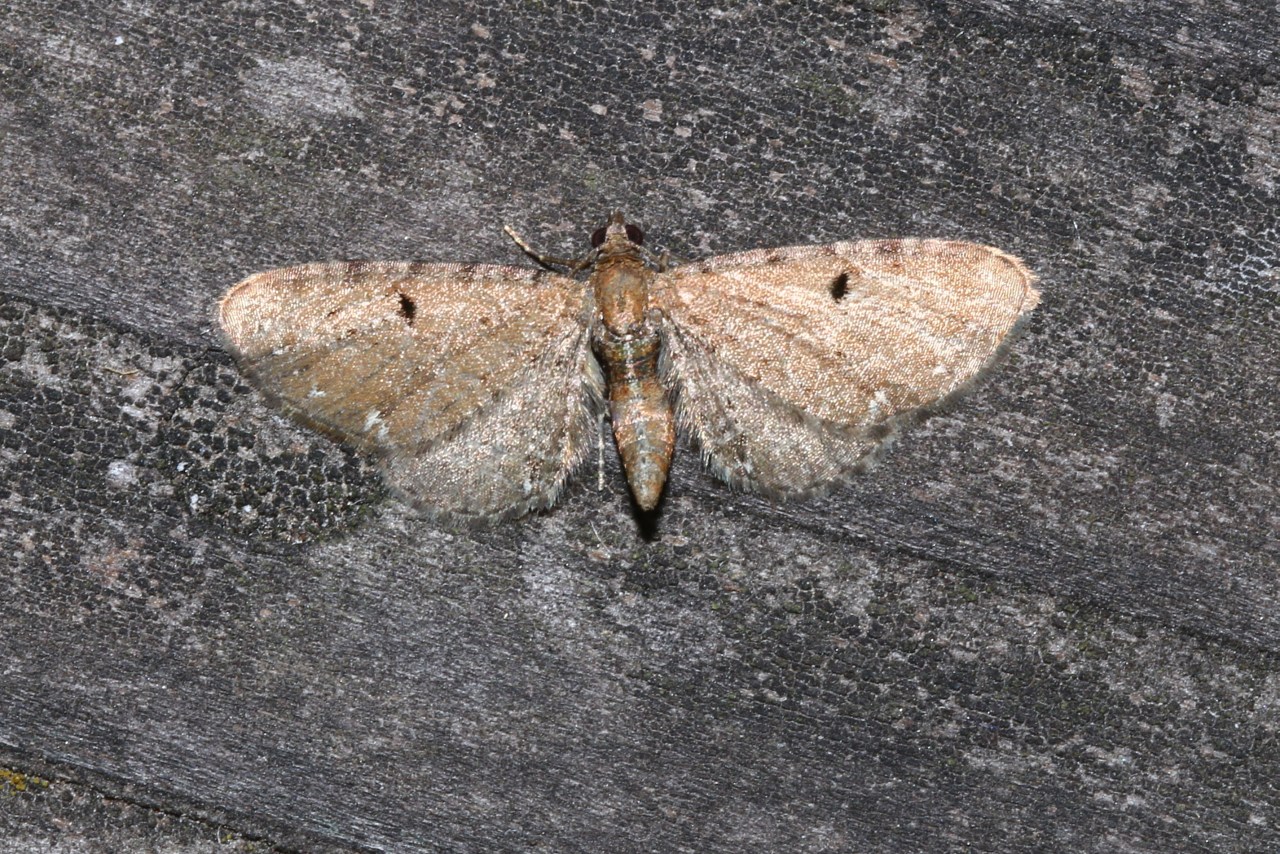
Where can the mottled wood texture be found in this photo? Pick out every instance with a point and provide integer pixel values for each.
(1049, 620)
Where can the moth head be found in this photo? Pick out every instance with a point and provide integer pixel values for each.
(617, 230)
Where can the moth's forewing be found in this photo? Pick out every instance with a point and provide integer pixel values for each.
(793, 365)
(473, 384)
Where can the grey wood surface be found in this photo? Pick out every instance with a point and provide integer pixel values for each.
(1049, 620)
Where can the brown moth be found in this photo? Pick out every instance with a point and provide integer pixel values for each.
(478, 386)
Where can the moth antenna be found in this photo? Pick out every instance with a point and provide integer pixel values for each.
(574, 264)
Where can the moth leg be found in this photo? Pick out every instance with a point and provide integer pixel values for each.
(574, 264)
(661, 262)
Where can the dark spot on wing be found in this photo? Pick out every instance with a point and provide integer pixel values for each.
(839, 286)
(408, 308)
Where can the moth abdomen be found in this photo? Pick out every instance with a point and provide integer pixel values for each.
(644, 424)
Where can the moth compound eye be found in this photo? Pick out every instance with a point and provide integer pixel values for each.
(634, 234)
(597, 236)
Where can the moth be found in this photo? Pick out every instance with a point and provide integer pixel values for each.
(478, 387)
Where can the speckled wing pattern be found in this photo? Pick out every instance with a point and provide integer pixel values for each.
(474, 385)
(792, 366)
